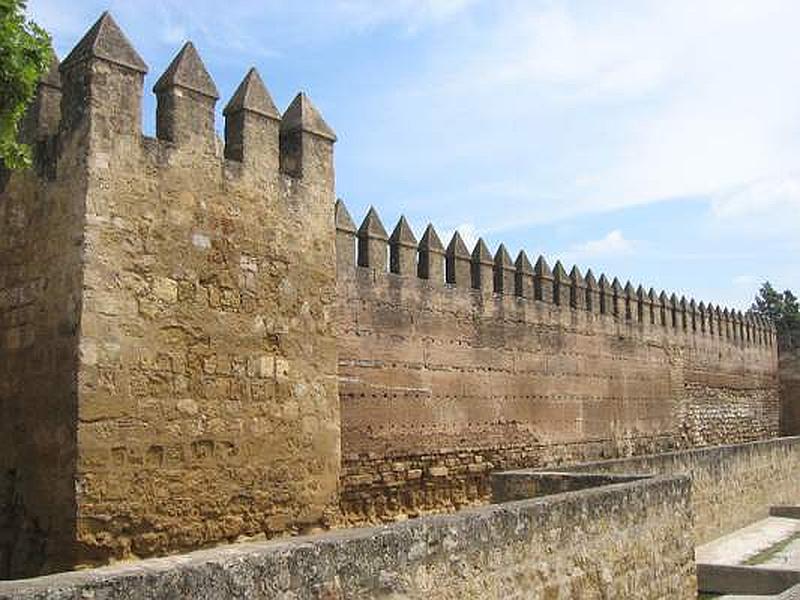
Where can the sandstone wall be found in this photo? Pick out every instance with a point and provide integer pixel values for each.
(167, 344)
(631, 540)
(41, 232)
(509, 366)
(732, 486)
(789, 370)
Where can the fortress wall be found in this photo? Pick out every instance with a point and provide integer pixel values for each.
(790, 391)
(442, 382)
(630, 540)
(41, 230)
(178, 347)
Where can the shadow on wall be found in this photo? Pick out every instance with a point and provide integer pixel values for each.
(789, 373)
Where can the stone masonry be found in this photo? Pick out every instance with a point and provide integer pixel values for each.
(181, 319)
(167, 360)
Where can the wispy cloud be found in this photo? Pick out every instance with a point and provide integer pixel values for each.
(612, 245)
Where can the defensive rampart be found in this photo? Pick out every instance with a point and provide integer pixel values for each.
(181, 319)
(454, 363)
(167, 359)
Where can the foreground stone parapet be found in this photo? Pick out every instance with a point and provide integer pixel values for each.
(627, 540)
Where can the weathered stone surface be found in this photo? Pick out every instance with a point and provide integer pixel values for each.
(732, 485)
(631, 540)
(167, 360)
(449, 377)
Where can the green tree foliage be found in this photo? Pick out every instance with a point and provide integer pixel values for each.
(783, 310)
(25, 55)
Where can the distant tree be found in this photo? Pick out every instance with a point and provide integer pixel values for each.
(783, 310)
(25, 55)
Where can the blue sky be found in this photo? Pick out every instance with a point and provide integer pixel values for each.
(655, 141)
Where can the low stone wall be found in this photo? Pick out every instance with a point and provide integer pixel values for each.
(619, 541)
(732, 486)
(508, 486)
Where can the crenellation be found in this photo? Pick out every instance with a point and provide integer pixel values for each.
(606, 296)
(306, 141)
(561, 286)
(683, 318)
(643, 313)
(617, 299)
(655, 307)
(592, 293)
(578, 289)
(403, 250)
(252, 126)
(504, 272)
(631, 300)
(186, 99)
(482, 268)
(458, 263)
(431, 257)
(524, 277)
(345, 240)
(543, 281)
(373, 243)
(43, 117)
(205, 346)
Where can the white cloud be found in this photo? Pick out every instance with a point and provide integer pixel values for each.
(613, 245)
(767, 206)
(745, 280)
(573, 108)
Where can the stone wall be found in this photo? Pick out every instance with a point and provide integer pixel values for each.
(41, 232)
(732, 486)
(454, 364)
(630, 540)
(789, 371)
(167, 360)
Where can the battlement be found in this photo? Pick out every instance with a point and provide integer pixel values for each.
(197, 342)
(483, 276)
(102, 80)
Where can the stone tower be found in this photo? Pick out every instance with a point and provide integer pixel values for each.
(167, 362)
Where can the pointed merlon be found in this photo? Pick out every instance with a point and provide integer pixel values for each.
(430, 240)
(664, 298)
(371, 226)
(642, 294)
(402, 234)
(343, 220)
(457, 248)
(617, 287)
(252, 95)
(105, 41)
(542, 269)
(187, 71)
(630, 290)
(653, 296)
(576, 277)
(559, 273)
(302, 115)
(590, 280)
(481, 254)
(52, 78)
(522, 263)
(674, 299)
(502, 259)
